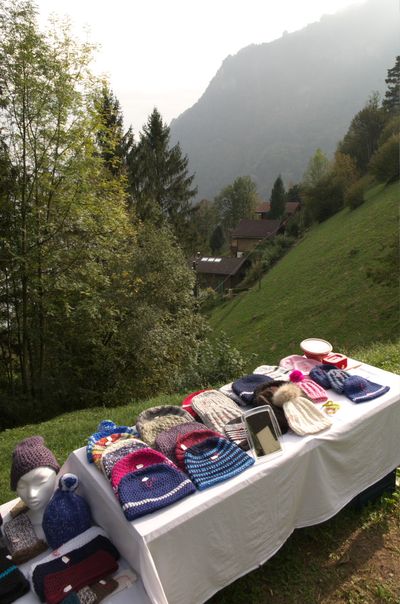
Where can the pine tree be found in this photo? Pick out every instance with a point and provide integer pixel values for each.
(158, 174)
(217, 239)
(278, 198)
(391, 102)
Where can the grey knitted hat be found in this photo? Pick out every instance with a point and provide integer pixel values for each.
(29, 454)
(215, 409)
(156, 419)
(117, 451)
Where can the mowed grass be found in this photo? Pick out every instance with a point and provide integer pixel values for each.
(320, 288)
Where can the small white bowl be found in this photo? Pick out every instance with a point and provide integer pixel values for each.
(315, 348)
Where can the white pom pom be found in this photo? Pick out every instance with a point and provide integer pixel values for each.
(68, 482)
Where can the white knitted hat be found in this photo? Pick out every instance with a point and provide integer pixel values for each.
(304, 417)
(215, 409)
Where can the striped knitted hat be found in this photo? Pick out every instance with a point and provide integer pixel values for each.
(67, 514)
(151, 489)
(214, 460)
(166, 440)
(236, 432)
(328, 376)
(337, 379)
(309, 387)
(215, 409)
(117, 451)
(184, 441)
(359, 389)
(245, 386)
(143, 458)
(156, 419)
(101, 446)
(104, 429)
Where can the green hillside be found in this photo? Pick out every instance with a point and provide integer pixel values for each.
(320, 288)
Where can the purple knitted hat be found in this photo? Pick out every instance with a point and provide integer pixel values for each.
(29, 454)
(166, 440)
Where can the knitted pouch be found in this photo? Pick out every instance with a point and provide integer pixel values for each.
(156, 419)
(21, 539)
(90, 570)
(151, 489)
(215, 460)
(215, 409)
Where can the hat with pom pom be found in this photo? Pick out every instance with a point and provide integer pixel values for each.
(67, 514)
(104, 429)
(29, 454)
(304, 417)
(309, 387)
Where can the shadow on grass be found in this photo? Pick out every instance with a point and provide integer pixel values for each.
(316, 562)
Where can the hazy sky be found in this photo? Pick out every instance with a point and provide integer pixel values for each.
(164, 53)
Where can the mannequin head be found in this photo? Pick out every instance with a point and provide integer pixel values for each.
(36, 487)
(30, 454)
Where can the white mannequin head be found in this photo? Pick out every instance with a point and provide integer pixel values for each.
(36, 488)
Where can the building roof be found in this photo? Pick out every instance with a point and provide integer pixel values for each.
(290, 207)
(263, 208)
(255, 229)
(219, 265)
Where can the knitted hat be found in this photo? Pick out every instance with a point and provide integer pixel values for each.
(166, 440)
(22, 540)
(29, 454)
(117, 451)
(328, 376)
(214, 460)
(296, 361)
(156, 419)
(309, 387)
(151, 489)
(94, 567)
(143, 458)
(263, 395)
(105, 428)
(227, 390)
(215, 409)
(273, 371)
(245, 386)
(13, 584)
(102, 445)
(54, 565)
(187, 403)
(359, 389)
(337, 379)
(67, 514)
(304, 417)
(185, 441)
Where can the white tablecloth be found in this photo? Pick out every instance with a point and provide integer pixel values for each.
(190, 550)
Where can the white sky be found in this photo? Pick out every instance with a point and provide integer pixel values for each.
(163, 53)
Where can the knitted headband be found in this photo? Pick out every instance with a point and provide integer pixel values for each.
(29, 454)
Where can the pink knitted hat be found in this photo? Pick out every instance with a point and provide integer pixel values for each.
(310, 388)
(136, 461)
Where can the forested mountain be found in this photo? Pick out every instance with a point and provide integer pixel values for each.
(272, 105)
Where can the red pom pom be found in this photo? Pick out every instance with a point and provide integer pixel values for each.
(296, 376)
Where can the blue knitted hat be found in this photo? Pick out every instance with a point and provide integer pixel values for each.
(104, 429)
(151, 489)
(328, 376)
(359, 389)
(215, 460)
(244, 387)
(67, 514)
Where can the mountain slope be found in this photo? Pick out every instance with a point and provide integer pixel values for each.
(272, 105)
(320, 288)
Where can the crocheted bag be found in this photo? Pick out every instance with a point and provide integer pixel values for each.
(214, 460)
(151, 489)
